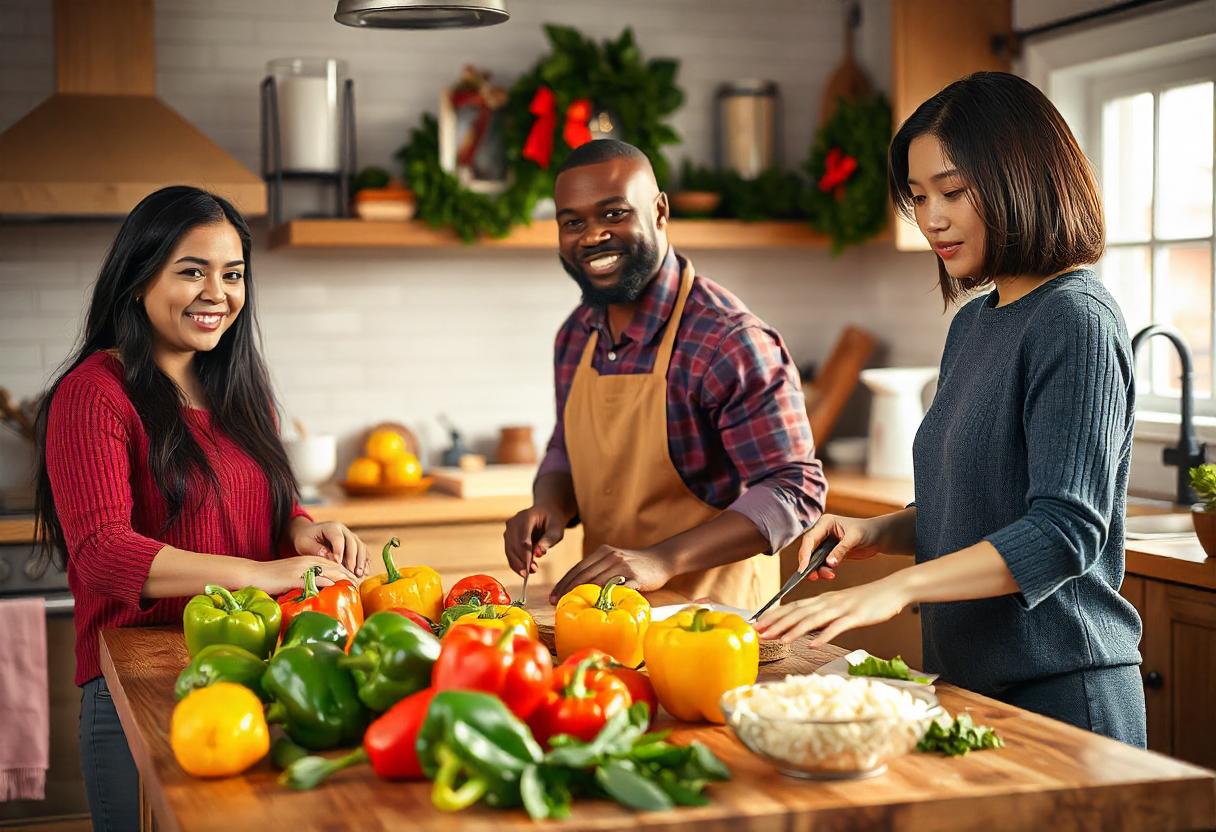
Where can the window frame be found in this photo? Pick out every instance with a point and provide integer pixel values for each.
(1155, 80)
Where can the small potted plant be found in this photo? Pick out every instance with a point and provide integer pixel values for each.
(1203, 483)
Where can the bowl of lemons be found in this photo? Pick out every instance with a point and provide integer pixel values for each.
(389, 465)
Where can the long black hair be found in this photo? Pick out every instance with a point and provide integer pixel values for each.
(232, 375)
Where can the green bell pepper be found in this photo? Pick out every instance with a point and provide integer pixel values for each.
(311, 627)
(471, 738)
(391, 657)
(248, 618)
(315, 698)
(222, 663)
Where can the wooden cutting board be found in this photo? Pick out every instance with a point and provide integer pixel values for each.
(492, 481)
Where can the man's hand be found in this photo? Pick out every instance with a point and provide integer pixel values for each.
(642, 569)
(536, 529)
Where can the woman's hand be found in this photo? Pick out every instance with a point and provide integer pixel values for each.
(835, 612)
(330, 540)
(275, 577)
(858, 538)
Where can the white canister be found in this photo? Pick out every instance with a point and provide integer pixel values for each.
(310, 112)
(895, 414)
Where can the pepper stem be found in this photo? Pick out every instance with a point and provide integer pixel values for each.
(310, 584)
(276, 712)
(364, 661)
(489, 612)
(308, 772)
(698, 624)
(576, 688)
(230, 602)
(506, 641)
(390, 569)
(444, 795)
(604, 601)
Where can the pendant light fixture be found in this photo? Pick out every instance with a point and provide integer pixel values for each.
(421, 14)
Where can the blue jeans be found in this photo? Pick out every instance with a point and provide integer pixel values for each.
(110, 777)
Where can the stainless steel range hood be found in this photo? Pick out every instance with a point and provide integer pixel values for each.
(104, 140)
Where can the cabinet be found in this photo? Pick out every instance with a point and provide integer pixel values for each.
(1179, 669)
(935, 42)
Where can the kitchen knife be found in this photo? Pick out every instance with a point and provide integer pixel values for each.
(817, 560)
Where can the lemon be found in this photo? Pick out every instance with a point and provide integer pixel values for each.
(405, 470)
(363, 471)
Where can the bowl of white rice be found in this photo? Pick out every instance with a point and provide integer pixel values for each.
(829, 727)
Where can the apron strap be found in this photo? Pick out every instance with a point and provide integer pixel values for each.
(663, 359)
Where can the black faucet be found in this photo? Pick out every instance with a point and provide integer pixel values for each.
(1189, 452)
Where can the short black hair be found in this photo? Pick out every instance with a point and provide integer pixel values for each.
(1032, 186)
(602, 150)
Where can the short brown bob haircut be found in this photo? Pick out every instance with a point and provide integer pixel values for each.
(1027, 177)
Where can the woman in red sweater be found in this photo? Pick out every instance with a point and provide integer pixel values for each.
(161, 468)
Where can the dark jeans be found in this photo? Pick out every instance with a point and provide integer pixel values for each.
(110, 777)
(1105, 700)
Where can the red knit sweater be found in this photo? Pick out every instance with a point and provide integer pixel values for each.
(112, 513)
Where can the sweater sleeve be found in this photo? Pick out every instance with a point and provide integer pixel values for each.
(1075, 420)
(88, 461)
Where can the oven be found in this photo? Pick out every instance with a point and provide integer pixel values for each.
(22, 574)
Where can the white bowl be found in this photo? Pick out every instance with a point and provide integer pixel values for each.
(313, 461)
(828, 749)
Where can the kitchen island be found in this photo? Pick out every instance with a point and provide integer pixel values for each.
(1048, 775)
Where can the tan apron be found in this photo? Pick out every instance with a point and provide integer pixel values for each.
(629, 492)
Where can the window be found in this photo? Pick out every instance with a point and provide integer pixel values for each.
(1151, 142)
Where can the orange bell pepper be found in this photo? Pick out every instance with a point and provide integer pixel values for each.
(417, 588)
(611, 618)
(696, 656)
(339, 600)
(501, 617)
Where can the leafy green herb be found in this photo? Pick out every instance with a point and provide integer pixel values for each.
(896, 668)
(957, 737)
(1203, 483)
(625, 763)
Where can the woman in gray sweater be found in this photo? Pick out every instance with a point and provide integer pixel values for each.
(1021, 463)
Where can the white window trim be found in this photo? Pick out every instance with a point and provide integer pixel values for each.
(1068, 65)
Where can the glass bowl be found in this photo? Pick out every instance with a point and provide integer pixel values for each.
(828, 749)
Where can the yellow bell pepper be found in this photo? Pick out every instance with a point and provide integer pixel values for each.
(417, 588)
(500, 617)
(696, 656)
(218, 731)
(611, 618)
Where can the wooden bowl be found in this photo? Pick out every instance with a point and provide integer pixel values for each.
(1205, 529)
(695, 203)
(354, 489)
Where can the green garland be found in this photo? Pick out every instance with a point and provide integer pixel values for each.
(860, 128)
(640, 95)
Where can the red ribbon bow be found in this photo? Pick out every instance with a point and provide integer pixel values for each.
(836, 171)
(539, 145)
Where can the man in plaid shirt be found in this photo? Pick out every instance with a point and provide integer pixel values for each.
(688, 458)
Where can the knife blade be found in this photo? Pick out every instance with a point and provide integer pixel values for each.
(817, 560)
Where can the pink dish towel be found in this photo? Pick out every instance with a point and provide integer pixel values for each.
(25, 742)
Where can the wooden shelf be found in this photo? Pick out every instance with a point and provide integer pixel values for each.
(542, 235)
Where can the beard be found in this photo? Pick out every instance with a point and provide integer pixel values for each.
(638, 265)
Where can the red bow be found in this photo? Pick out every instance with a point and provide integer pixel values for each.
(836, 171)
(539, 145)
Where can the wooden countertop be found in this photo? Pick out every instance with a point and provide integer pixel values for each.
(1181, 561)
(1048, 775)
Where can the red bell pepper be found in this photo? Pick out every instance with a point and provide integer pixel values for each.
(417, 617)
(339, 600)
(390, 745)
(513, 667)
(581, 699)
(640, 688)
(481, 589)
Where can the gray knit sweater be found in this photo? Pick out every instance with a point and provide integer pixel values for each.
(1027, 446)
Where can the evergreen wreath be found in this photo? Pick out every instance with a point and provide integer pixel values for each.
(538, 128)
(846, 197)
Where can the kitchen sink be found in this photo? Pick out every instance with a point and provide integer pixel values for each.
(1150, 526)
